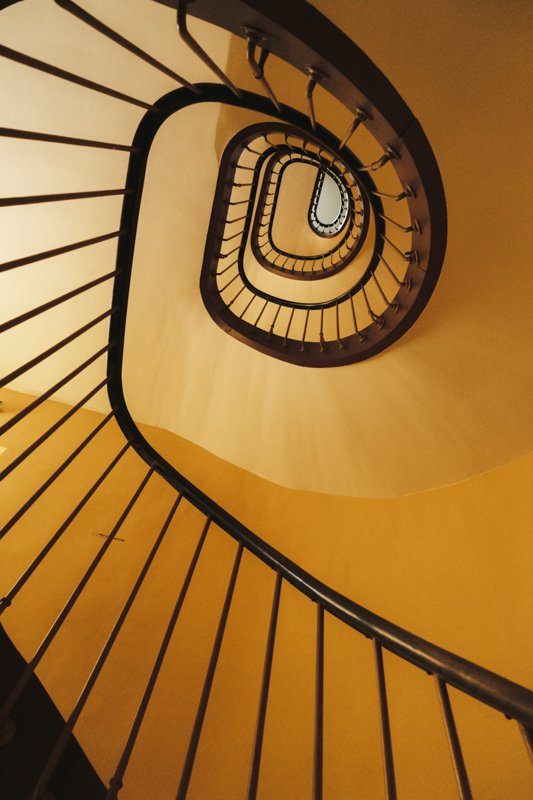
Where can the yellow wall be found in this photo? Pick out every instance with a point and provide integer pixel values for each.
(449, 401)
(450, 564)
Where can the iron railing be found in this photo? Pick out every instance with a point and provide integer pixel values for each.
(312, 40)
(280, 157)
(333, 226)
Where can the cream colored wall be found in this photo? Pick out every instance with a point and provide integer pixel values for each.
(449, 401)
(34, 101)
(452, 565)
(452, 398)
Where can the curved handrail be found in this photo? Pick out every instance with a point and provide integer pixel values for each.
(508, 697)
(332, 228)
(512, 699)
(336, 266)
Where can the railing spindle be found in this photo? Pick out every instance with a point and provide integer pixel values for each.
(46, 435)
(198, 50)
(6, 601)
(5, 326)
(265, 687)
(359, 117)
(50, 480)
(57, 251)
(386, 739)
(54, 348)
(461, 775)
(53, 198)
(53, 389)
(257, 65)
(57, 72)
(58, 622)
(206, 691)
(527, 735)
(62, 741)
(318, 757)
(36, 136)
(104, 29)
(115, 784)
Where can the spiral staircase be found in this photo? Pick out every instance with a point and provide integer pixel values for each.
(342, 290)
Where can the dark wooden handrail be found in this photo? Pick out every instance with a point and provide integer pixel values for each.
(301, 36)
(512, 699)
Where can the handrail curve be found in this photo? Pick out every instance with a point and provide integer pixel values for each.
(300, 35)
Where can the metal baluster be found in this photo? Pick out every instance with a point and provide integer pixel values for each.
(257, 66)
(241, 315)
(115, 784)
(36, 136)
(5, 326)
(408, 191)
(461, 775)
(263, 697)
(411, 255)
(395, 304)
(62, 467)
(56, 626)
(386, 740)
(274, 320)
(388, 155)
(406, 283)
(227, 255)
(206, 691)
(198, 50)
(318, 756)
(251, 150)
(37, 402)
(62, 741)
(527, 735)
(360, 335)
(323, 347)
(359, 117)
(52, 198)
(6, 601)
(57, 251)
(302, 347)
(341, 343)
(261, 312)
(222, 271)
(99, 26)
(377, 319)
(46, 435)
(16, 373)
(405, 228)
(50, 69)
(233, 236)
(229, 305)
(228, 283)
(285, 342)
(315, 76)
